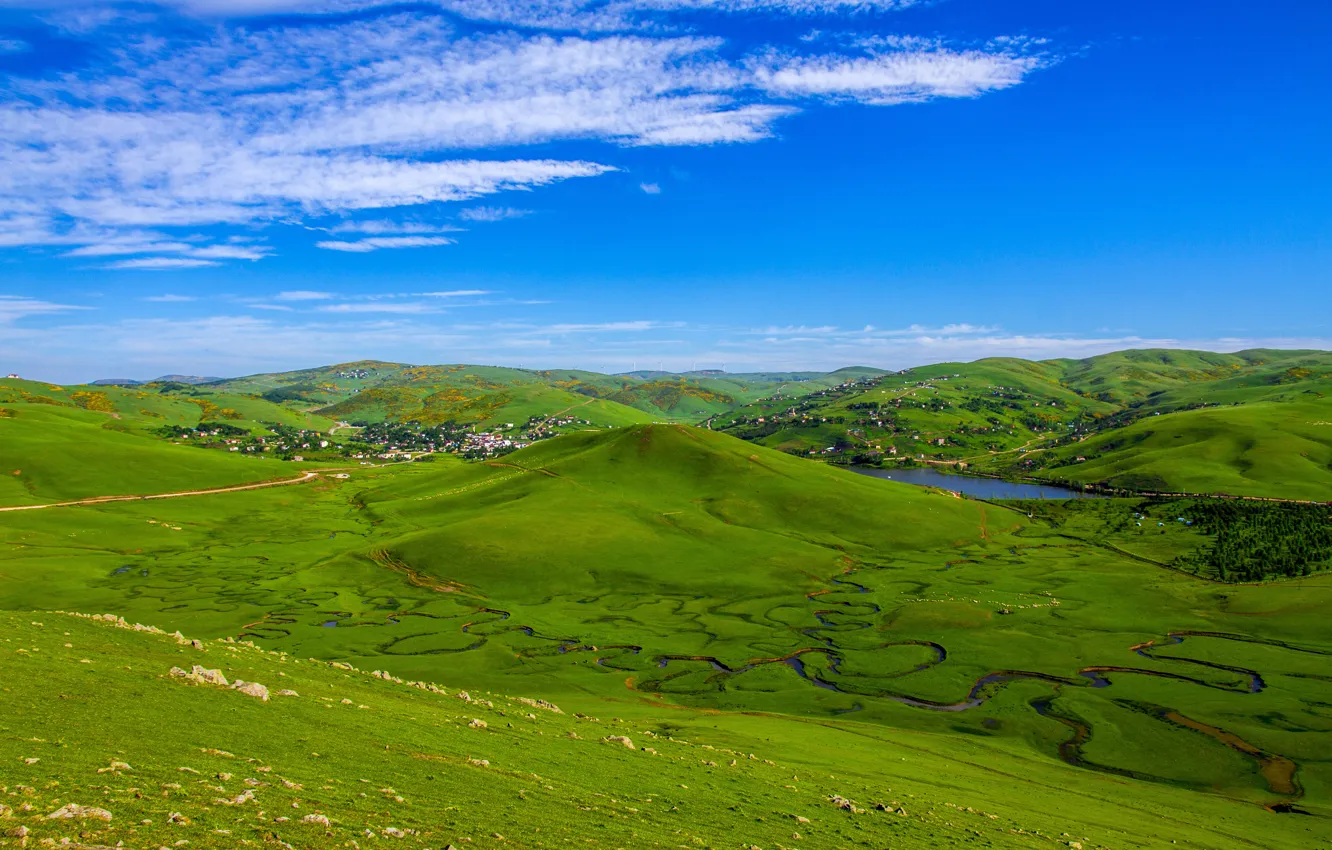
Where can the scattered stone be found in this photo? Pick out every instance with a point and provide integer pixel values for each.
(478, 762)
(6, 811)
(295, 786)
(31, 761)
(619, 739)
(322, 820)
(287, 692)
(240, 799)
(540, 703)
(253, 689)
(800, 819)
(477, 723)
(346, 701)
(393, 832)
(75, 811)
(843, 803)
(19, 832)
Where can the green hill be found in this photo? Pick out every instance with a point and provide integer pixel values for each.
(915, 648)
(62, 444)
(1273, 449)
(347, 758)
(375, 391)
(1001, 415)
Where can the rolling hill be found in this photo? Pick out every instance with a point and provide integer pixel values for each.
(1001, 415)
(917, 648)
(375, 391)
(1266, 448)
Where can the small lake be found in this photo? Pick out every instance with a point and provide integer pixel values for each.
(981, 488)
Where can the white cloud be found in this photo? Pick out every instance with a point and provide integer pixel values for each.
(231, 252)
(364, 246)
(581, 15)
(121, 247)
(169, 299)
(303, 295)
(491, 213)
(896, 77)
(456, 293)
(13, 307)
(388, 226)
(650, 188)
(160, 264)
(223, 125)
(10, 45)
(398, 307)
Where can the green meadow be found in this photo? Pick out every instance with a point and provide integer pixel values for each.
(1274, 449)
(50, 453)
(875, 641)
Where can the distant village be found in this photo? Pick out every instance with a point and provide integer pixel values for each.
(389, 441)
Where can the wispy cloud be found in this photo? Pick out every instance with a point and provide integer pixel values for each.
(160, 264)
(376, 243)
(382, 226)
(455, 293)
(398, 307)
(492, 213)
(650, 188)
(169, 299)
(897, 76)
(303, 295)
(228, 125)
(13, 307)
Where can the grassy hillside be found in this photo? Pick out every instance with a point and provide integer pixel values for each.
(148, 407)
(52, 453)
(975, 409)
(1000, 415)
(1166, 378)
(374, 391)
(1274, 449)
(693, 584)
(348, 758)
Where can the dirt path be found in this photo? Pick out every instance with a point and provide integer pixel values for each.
(564, 411)
(100, 500)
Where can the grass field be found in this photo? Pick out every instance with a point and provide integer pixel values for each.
(353, 758)
(693, 584)
(1274, 449)
(374, 391)
(51, 454)
(1250, 423)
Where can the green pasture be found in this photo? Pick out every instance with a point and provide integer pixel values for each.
(689, 582)
(92, 718)
(51, 454)
(1275, 449)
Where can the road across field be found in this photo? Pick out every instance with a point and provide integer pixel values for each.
(101, 500)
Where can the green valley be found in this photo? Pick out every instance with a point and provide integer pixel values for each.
(905, 667)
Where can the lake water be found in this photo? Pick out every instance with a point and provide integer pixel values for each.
(981, 488)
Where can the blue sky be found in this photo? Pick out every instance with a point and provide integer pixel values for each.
(229, 186)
